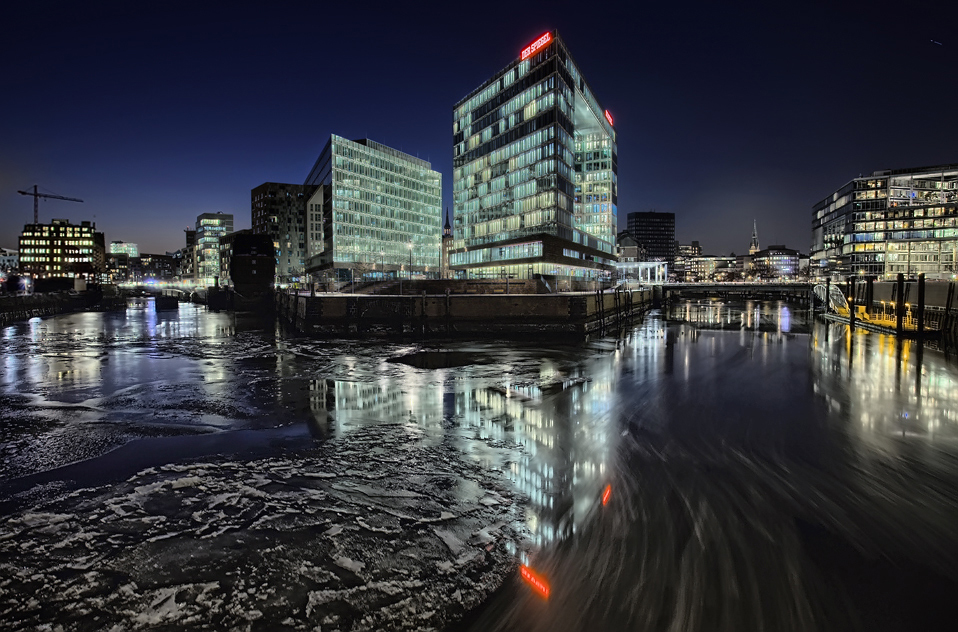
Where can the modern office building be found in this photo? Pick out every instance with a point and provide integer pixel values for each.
(209, 228)
(776, 262)
(656, 233)
(128, 248)
(279, 210)
(895, 220)
(534, 172)
(62, 249)
(375, 213)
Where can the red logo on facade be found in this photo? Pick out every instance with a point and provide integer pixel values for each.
(608, 117)
(535, 46)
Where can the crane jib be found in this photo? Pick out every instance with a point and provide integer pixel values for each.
(36, 199)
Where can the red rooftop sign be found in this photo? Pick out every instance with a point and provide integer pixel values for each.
(608, 117)
(535, 46)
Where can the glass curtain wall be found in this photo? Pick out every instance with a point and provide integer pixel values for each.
(533, 154)
(382, 212)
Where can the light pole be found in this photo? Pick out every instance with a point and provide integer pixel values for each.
(410, 260)
(382, 263)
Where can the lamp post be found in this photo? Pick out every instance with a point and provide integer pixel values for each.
(382, 263)
(410, 259)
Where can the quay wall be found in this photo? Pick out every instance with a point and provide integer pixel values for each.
(566, 314)
(14, 309)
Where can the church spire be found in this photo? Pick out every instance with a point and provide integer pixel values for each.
(754, 247)
(447, 229)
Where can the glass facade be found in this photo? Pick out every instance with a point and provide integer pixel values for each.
(210, 227)
(852, 229)
(124, 247)
(534, 162)
(377, 212)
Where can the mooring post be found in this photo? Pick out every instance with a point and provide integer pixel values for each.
(947, 322)
(869, 293)
(899, 304)
(851, 304)
(921, 304)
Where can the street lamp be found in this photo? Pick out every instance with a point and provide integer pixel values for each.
(410, 259)
(382, 264)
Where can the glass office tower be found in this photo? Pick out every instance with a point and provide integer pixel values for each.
(377, 213)
(209, 228)
(534, 172)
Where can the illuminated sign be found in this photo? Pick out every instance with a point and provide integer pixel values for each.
(608, 117)
(606, 494)
(535, 580)
(534, 47)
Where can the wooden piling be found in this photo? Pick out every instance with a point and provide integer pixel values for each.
(899, 305)
(921, 305)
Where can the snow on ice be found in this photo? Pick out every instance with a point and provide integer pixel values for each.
(347, 537)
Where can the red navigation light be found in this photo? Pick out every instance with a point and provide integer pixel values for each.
(535, 580)
(541, 42)
(606, 494)
(608, 117)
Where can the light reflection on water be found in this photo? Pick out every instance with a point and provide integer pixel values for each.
(758, 381)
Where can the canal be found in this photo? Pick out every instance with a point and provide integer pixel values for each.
(717, 467)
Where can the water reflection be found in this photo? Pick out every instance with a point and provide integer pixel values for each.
(550, 437)
(884, 386)
(764, 316)
(716, 429)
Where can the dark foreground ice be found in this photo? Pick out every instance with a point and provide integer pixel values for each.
(727, 468)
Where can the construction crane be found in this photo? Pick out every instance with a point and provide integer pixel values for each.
(36, 201)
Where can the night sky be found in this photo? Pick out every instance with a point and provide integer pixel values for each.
(154, 112)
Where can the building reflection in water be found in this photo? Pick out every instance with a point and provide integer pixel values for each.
(764, 316)
(885, 387)
(87, 355)
(551, 438)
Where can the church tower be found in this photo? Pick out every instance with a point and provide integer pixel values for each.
(754, 247)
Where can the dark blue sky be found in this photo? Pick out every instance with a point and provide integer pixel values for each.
(156, 112)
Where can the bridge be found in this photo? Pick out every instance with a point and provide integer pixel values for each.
(800, 293)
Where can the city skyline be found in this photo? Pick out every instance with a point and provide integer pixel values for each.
(727, 115)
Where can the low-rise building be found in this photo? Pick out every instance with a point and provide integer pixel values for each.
(703, 268)
(776, 262)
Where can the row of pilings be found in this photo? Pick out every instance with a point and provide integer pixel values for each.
(906, 308)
